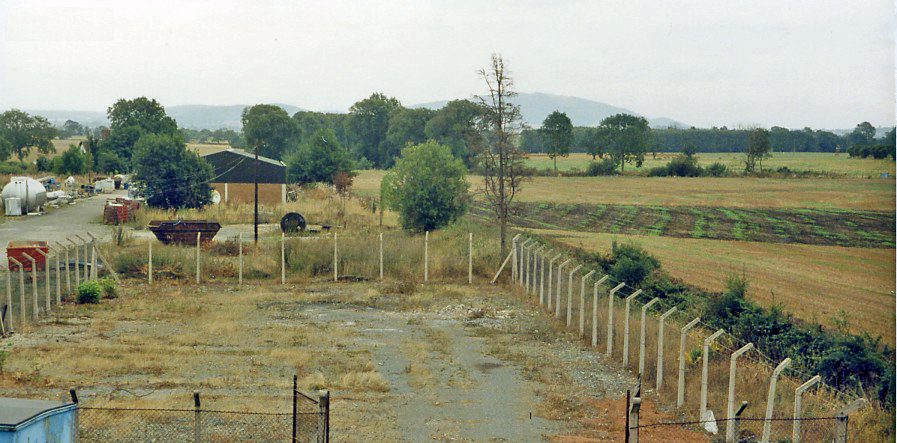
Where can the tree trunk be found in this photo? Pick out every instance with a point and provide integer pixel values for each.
(555, 166)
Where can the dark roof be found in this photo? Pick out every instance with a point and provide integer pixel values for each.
(238, 166)
(15, 412)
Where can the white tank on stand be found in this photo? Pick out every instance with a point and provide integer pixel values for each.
(30, 192)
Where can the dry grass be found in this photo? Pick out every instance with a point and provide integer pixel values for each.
(817, 283)
(796, 161)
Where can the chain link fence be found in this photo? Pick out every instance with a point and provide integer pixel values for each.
(749, 430)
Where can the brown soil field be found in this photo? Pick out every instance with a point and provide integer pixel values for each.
(826, 284)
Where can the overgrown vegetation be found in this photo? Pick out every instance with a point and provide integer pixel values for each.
(89, 292)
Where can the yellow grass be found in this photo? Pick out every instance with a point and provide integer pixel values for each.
(816, 283)
(704, 191)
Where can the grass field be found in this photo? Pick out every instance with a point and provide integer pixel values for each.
(838, 163)
(816, 283)
(861, 194)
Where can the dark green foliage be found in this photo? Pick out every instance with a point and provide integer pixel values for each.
(684, 166)
(874, 151)
(110, 163)
(318, 159)
(89, 292)
(171, 177)
(557, 136)
(716, 170)
(368, 124)
(453, 125)
(13, 167)
(21, 132)
(108, 287)
(658, 171)
(631, 264)
(129, 121)
(43, 164)
(271, 128)
(426, 187)
(72, 161)
(758, 148)
(627, 138)
(604, 167)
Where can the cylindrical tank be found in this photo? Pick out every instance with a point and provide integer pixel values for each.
(28, 190)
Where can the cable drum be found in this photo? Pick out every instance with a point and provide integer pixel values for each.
(292, 222)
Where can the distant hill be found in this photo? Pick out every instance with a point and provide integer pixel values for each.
(534, 107)
(187, 116)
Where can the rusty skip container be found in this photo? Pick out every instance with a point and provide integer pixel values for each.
(183, 232)
(17, 248)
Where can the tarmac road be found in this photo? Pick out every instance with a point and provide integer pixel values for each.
(59, 223)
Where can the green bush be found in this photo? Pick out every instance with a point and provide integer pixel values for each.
(716, 170)
(13, 167)
(604, 167)
(108, 287)
(684, 166)
(658, 171)
(89, 292)
(631, 264)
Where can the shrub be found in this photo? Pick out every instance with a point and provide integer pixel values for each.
(716, 170)
(658, 171)
(631, 264)
(604, 167)
(89, 292)
(684, 166)
(107, 285)
(12, 168)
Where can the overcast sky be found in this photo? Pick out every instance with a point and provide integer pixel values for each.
(793, 63)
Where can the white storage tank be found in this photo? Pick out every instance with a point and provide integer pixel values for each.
(29, 191)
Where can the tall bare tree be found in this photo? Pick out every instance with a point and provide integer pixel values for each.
(500, 160)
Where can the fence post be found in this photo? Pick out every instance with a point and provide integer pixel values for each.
(704, 359)
(798, 393)
(771, 397)
(557, 301)
(627, 300)
(240, 273)
(537, 253)
(550, 269)
(58, 281)
(47, 277)
(730, 410)
(75, 419)
(149, 263)
(542, 277)
(610, 317)
(68, 277)
(527, 274)
(570, 295)
(33, 284)
(469, 259)
(197, 257)
(77, 265)
(21, 292)
(663, 317)
(683, 334)
(335, 259)
(502, 267)
(641, 340)
(381, 256)
(8, 298)
(197, 421)
(78, 270)
(426, 256)
(93, 258)
(735, 423)
(582, 302)
(324, 405)
(514, 258)
(841, 432)
(283, 259)
(520, 260)
(595, 310)
(632, 426)
(295, 406)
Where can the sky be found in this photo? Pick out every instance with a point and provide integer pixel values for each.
(794, 63)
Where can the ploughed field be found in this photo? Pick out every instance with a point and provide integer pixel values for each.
(852, 228)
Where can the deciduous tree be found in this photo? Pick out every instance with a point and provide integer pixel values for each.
(627, 137)
(271, 127)
(318, 159)
(369, 123)
(758, 148)
(171, 176)
(557, 136)
(453, 125)
(24, 132)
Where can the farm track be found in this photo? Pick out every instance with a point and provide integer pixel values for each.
(866, 229)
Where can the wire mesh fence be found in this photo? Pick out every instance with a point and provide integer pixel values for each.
(748, 430)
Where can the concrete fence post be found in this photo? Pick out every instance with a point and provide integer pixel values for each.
(21, 292)
(570, 295)
(58, 280)
(548, 297)
(198, 257)
(536, 254)
(730, 409)
(381, 255)
(771, 398)
(557, 300)
(632, 420)
(283, 259)
(628, 301)
(659, 371)
(68, 277)
(94, 273)
(33, 285)
(641, 340)
(521, 260)
(240, 253)
(704, 358)
(47, 279)
(78, 270)
(77, 265)
(527, 274)
(610, 318)
(798, 394)
(149, 263)
(841, 433)
(469, 258)
(542, 277)
(595, 309)
(735, 423)
(335, 258)
(514, 258)
(680, 388)
(582, 302)
(426, 255)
